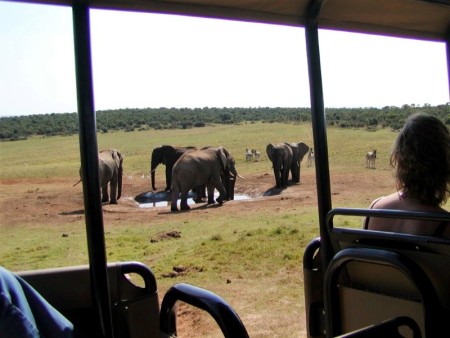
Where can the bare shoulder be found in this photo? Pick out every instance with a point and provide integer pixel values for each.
(385, 202)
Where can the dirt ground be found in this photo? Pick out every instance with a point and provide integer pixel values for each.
(55, 200)
(51, 200)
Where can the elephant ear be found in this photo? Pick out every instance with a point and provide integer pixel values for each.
(290, 151)
(303, 149)
(269, 150)
(117, 157)
(223, 158)
(166, 152)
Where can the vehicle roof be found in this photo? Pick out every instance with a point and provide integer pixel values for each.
(421, 19)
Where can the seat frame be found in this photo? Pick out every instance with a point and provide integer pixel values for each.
(417, 264)
(135, 305)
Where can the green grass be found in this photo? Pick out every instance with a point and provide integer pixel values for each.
(226, 246)
(42, 157)
(42, 246)
(348, 147)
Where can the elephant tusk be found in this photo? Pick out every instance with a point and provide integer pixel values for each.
(240, 176)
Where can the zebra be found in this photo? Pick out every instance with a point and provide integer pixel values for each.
(256, 154)
(371, 157)
(248, 154)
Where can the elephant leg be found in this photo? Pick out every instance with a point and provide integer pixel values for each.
(226, 181)
(210, 189)
(168, 178)
(277, 178)
(183, 203)
(286, 177)
(283, 177)
(295, 173)
(105, 194)
(231, 189)
(200, 192)
(222, 193)
(174, 200)
(113, 193)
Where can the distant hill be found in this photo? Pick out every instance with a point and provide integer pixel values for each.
(129, 119)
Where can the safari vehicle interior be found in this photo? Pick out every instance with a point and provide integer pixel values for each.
(358, 283)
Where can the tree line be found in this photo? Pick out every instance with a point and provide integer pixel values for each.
(129, 119)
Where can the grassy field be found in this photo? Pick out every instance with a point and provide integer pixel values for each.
(59, 156)
(258, 249)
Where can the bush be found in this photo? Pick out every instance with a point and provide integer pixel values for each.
(12, 128)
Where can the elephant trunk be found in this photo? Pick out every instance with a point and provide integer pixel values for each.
(233, 172)
(155, 162)
(156, 159)
(119, 183)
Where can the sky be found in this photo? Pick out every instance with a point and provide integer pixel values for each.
(150, 60)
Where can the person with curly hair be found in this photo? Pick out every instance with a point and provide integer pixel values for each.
(421, 159)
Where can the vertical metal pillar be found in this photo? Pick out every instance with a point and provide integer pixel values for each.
(319, 126)
(89, 166)
(447, 45)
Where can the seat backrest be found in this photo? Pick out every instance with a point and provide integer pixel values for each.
(133, 292)
(313, 287)
(376, 276)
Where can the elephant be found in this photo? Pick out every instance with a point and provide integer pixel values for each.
(299, 150)
(281, 157)
(166, 155)
(227, 180)
(208, 166)
(110, 170)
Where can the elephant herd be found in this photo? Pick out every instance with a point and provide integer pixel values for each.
(190, 168)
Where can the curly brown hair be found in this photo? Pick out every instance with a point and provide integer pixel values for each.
(421, 156)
